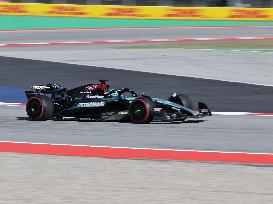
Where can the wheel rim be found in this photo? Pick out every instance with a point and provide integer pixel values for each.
(35, 109)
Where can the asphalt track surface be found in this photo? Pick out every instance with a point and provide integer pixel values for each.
(221, 96)
(224, 65)
(220, 133)
(134, 34)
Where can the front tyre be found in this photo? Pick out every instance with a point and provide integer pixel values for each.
(141, 110)
(40, 108)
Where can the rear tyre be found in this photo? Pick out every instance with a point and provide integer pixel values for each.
(182, 99)
(141, 110)
(40, 108)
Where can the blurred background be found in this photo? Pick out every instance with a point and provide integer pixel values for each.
(212, 3)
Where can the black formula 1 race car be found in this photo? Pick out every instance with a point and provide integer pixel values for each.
(96, 102)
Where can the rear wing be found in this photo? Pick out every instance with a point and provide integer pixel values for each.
(45, 89)
(38, 88)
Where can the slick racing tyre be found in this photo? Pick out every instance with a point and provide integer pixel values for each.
(181, 99)
(40, 108)
(141, 110)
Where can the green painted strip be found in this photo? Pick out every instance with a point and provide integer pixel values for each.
(224, 45)
(262, 51)
(241, 50)
(34, 22)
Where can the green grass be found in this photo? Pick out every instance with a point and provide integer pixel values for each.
(254, 45)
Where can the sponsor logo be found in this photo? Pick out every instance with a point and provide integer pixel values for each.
(39, 87)
(184, 13)
(91, 104)
(91, 96)
(123, 112)
(12, 9)
(85, 92)
(126, 12)
(242, 13)
(85, 119)
(66, 10)
(174, 108)
(204, 111)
